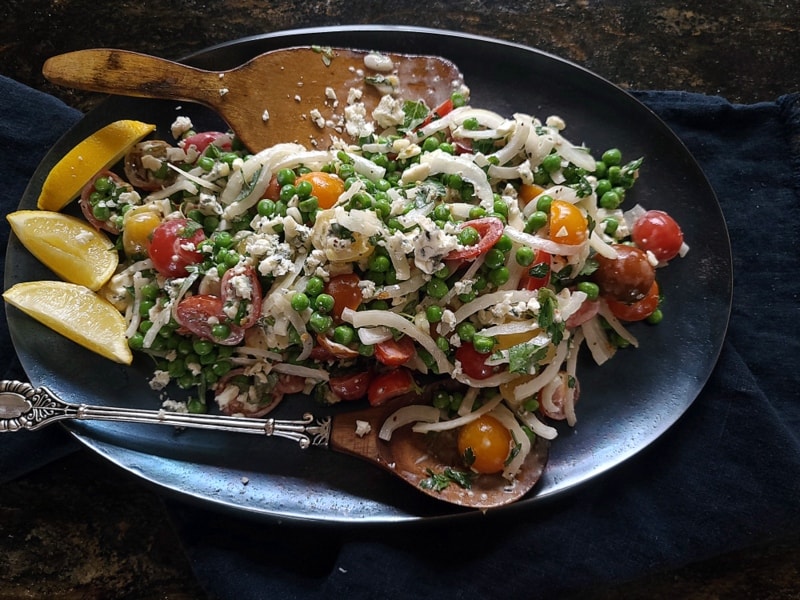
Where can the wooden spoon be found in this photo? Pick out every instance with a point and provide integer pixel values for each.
(272, 98)
(406, 455)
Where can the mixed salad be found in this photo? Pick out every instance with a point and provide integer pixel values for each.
(449, 245)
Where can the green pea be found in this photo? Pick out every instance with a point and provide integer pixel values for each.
(494, 258)
(610, 225)
(379, 305)
(441, 400)
(101, 213)
(344, 334)
(300, 301)
(447, 148)
(465, 331)
(500, 207)
(455, 181)
(176, 368)
(600, 169)
(220, 331)
(610, 200)
(382, 207)
(430, 144)
(379, 263)
(482, 343)
(499, 276)
(441, 212)
(196, 406)
(150, 291)
(603, 186)
(223, 239)
(319, 322)
(309, 205)
(366, 350)
(285, 177)
(436, 288)
(535, 221)
(136, 341)
(304, 189)
(287, 192)
(206, 163)
(314, 286)
(524, 255)
(443, 273)
(480, 282)
(323, 303)
(551, 163)
(434, 313)
(471, 124)
(615, 175)
(103, 184)
(655, 317)
(468, 236)
(221, 367)
(504, 243)
(592, 290)
(145, 326)
(612, 157)
(145, 306)
(543, 203)
(477, 212)
(443, 344)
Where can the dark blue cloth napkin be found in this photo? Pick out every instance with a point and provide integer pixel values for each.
(727, 475)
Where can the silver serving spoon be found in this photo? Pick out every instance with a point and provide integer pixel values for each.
(23, 407)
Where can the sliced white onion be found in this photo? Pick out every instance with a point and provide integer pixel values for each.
(618, 327)
(601, 247)
(415, 413)
(301, 371)
(597, 341)
(491, 299)
(540, 243)
(458, 421)
(541, 429)
(370, 336)
(509, 421)
(441, 162)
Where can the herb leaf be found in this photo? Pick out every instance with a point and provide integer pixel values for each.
(440, 481)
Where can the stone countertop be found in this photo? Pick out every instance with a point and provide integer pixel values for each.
(79, 527)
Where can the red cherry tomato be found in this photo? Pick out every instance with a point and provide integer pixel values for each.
(174, 246)
(86, 205)
(532, 282)
(487, 442)
(202, 140)
(199, 314)
(473, 363)
(438, 112)
(345, 291)
(389, 385)
(351, 387)
(273, 191)
(394, 353)
(657, 232)
(489, 228)
(234, 283)
(636, 311)
(626, 278)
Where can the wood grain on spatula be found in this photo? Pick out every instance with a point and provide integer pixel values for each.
(270, 99)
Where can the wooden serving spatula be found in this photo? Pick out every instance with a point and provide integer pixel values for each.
(288, 95)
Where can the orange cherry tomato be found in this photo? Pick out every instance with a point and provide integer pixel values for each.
(529, 191)
(486, 440)
(325, 186)
(636, 311)
(345, 291)
(567, 223)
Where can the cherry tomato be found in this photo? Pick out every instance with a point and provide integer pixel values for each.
(389, 385)
(637, 311)
(145, 165)
(199, 314)
(532, 282)
(657, 232)
(174, 246)
(345, 291)
(628, 277)
(558, 396)
(202, 140)
(567, 223)
(273, 191)
(138, 225)
(234, 281)
(395, 352)
(473, 363)
(487, 441)
(489, 228)
(529, 191)
(351, 387)
(438, 112)
(327, 187)
(587, 310)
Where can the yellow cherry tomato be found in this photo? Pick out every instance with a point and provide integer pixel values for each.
(567, 223)
(529, 191)
(137, 228)
(325, 186)
(486, 442)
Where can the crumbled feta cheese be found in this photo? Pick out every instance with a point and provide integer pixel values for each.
(362, 428)
(389, 112)
(180, 126)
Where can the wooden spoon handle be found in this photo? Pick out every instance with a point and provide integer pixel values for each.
(127, 73)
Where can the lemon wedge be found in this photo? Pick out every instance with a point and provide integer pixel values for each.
(68, 246)
(75, 312)
(97, 152)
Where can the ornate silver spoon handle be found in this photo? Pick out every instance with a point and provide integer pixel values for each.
(24, 407)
